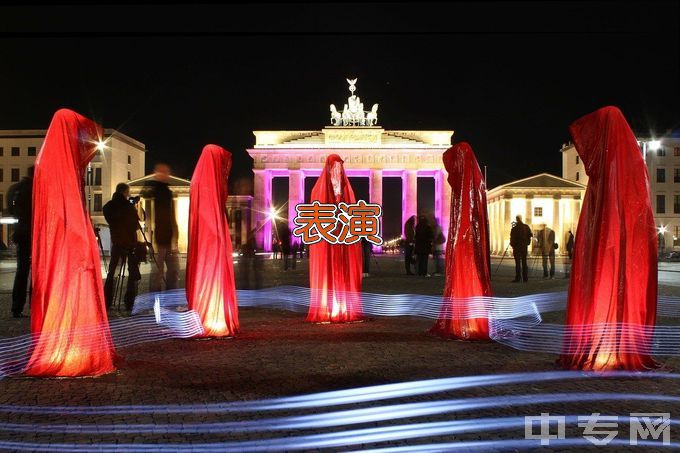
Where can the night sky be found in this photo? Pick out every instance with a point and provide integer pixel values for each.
(506, 77)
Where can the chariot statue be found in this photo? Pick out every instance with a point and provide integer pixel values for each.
(353, 113)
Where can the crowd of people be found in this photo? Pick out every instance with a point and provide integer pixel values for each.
(423, 238)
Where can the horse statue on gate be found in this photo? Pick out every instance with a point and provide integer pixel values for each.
(372, 116)
(336, 117)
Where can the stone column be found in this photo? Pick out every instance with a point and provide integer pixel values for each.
(506, 213)
(262, 200)
(296, 194)
(528, 212)
(409, 195)
(557, 224)
(445, 202)
(376, 196)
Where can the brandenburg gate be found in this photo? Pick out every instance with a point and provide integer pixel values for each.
(368, 151)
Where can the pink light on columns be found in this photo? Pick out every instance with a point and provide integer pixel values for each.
(296, 194)
(409, 195)
(262, 202)
(444, 195)
(376, 196)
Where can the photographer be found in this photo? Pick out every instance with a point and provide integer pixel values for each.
(520, 238)
(121, 215)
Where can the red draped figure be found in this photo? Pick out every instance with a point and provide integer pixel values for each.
(613, 288)
(68, 313)
(210, 287)
(467, 249)
(334, 269)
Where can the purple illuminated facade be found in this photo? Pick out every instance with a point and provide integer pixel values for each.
(369, 152)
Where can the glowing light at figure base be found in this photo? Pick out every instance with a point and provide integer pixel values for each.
(614, 272)
(334, 269)
(210, 287)
(67, 294)
(467, 250)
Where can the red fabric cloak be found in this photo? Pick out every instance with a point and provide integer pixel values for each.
(467, 248)
(68, 313)
(210, 287)
(614, 273)
(334, 269)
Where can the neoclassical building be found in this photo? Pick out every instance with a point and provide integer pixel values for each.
(662, 157)
(368, 151)
(542, 200)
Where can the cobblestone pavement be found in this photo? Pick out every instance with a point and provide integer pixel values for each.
(277, 354)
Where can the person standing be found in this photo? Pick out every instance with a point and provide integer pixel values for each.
(438, 249)
(285, 246)
(423, 247)
(570, 250)
(409, 243)
(123, 221)
(520, 238)
(366, 254)
(546, 244)
(20, 204)
(165, 230)
(294, 248)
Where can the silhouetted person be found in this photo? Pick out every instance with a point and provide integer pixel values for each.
(570, 244)
(520, 238)
(423, 246)
(409, 243)
(20, 204)
(166, 233)
(546, 244)
(570, 251)
(366, 249)
(286, 247)
(123, 221)
(258, 258)
(246, 260)
(438, 249)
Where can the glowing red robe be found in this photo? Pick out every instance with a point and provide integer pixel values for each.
(334, 269)
(467, 248)
(614, 272)
(210, 287)
(68, 313)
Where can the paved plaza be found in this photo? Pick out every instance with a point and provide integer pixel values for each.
(278, 354)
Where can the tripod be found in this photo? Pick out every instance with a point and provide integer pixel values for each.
(502, 258)
(149, 246)
(118, 289)
(101, 248)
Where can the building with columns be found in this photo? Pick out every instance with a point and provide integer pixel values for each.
(368, 151)
(662, 157)
(238, 209)
(120, 158)
(541, 200)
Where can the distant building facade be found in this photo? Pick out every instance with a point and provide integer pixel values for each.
(121, 159)
(662, 157)
(237, 209)
(543, 200)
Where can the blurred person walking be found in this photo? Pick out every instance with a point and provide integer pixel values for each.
(409, 243)
(165, 229)
(423, 244)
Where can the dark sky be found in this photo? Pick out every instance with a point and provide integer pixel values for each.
(507, 77)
